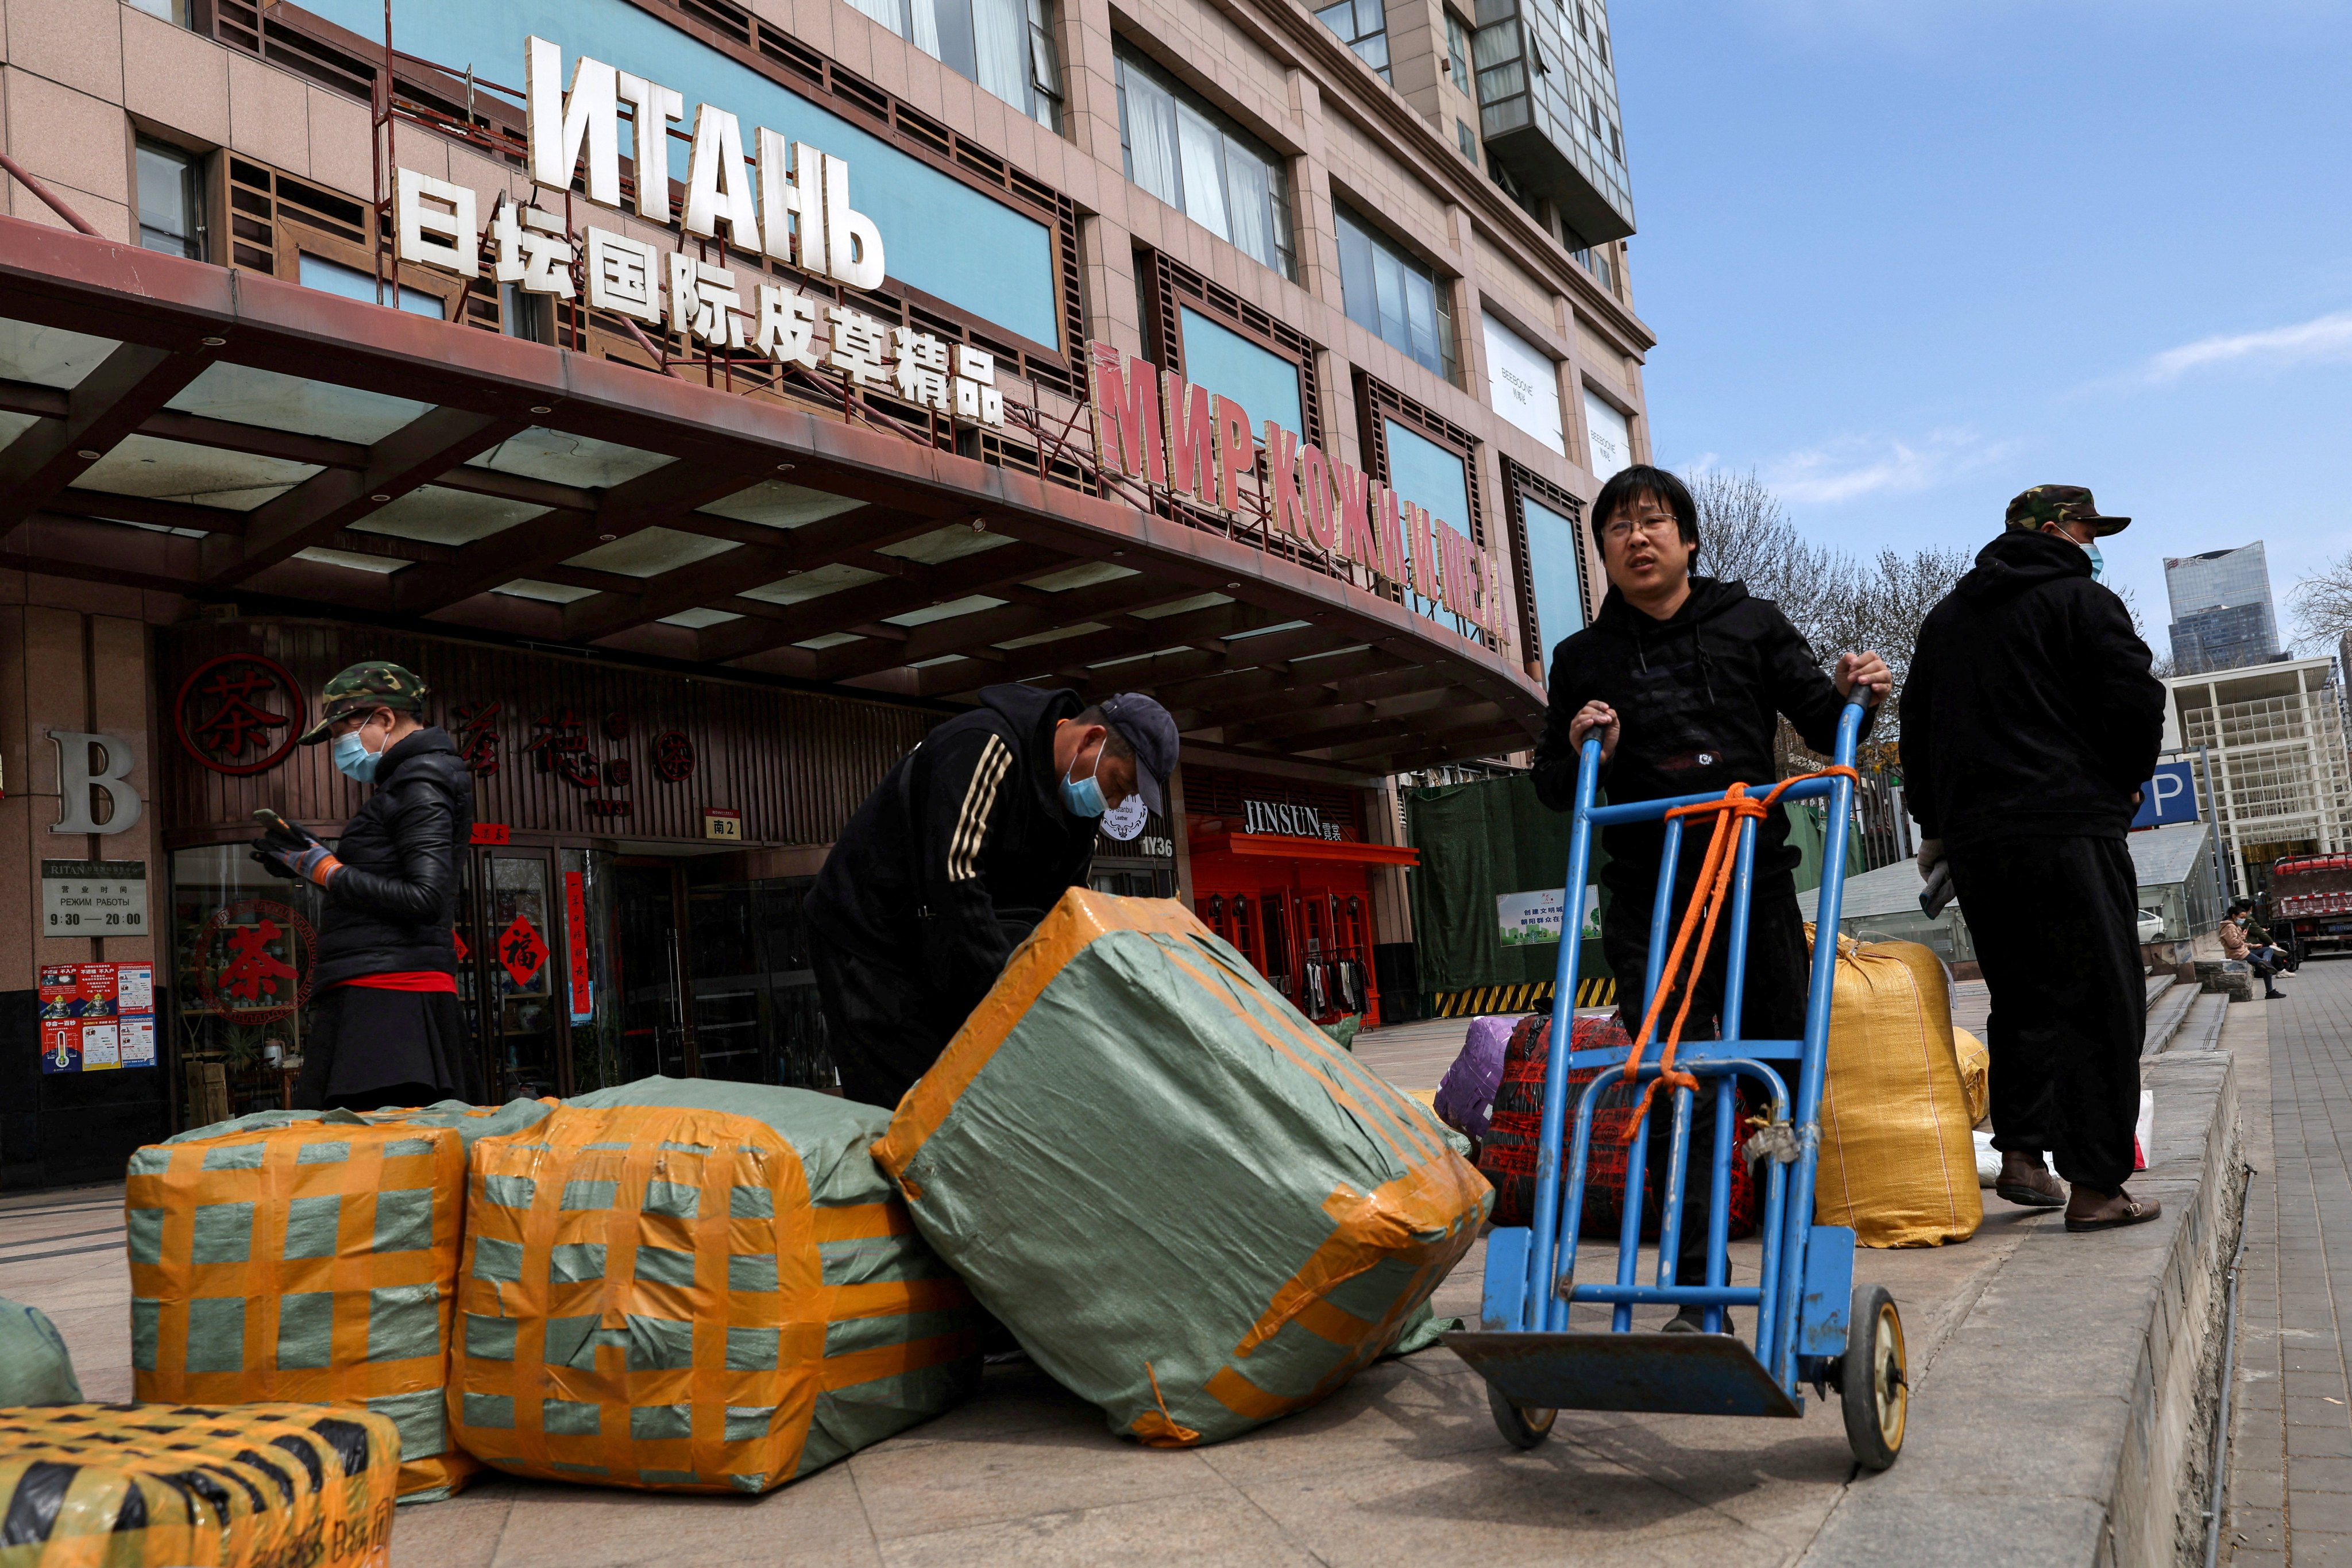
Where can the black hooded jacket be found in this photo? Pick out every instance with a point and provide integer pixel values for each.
(394, 906)
(1699, 698)
(961, 851)
(2030, 711)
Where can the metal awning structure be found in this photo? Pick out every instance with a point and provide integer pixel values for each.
(172, 425)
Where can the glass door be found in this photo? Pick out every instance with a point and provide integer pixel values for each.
(656, 992)
(515, 954)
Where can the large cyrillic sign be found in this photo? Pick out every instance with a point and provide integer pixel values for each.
(1169, 434)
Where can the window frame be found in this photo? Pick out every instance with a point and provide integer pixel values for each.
(194, 195)
(1282, 232)
(1442, 285)
(1520, 485)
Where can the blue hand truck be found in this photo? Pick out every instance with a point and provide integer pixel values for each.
(1813, 1325)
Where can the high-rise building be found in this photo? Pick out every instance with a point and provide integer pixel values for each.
(708, 409)
(2275, 760)
(2222, 617)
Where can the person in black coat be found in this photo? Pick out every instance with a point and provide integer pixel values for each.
(970, 838)
(385, 1026)
(2030, 723)
(1686, 680)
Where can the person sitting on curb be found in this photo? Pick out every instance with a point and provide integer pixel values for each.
(2240, 945)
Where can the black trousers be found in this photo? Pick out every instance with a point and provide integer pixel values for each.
(1773, 1007)
(2055, 931)
(883, 1025)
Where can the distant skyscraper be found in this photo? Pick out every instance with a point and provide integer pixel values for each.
(2221, 613)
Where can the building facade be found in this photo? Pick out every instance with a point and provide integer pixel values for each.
(2222, 614)
(2275, 763)
(708, 398)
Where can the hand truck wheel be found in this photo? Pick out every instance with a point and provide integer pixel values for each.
(1523, 1427)
(1872, 1383)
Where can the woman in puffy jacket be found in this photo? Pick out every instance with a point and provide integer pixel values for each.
(386, 1029)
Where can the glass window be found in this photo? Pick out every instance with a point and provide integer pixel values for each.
(318, 272)
(170, 208)
(173, 11)
(1217, 357)
(1469, 141)
(1202, 164)
(1428, 475)
(1394, 295)
(1006, 45)
(1556, 573)
(1363, 26)
(1457, 50)
(243, 942)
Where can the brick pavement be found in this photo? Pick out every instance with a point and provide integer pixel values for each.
(2290, 1445)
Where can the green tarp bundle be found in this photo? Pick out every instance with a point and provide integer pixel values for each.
(1188, 1204)
(35, 1366)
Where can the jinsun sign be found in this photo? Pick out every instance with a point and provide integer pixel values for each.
(1201, 446)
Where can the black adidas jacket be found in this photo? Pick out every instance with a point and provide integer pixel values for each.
(1699, 698)
(963, 850)
(392, 906)
(2030, 711)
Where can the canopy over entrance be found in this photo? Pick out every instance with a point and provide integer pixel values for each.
(174, 425)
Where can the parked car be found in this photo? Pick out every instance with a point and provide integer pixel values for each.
(2151, 926)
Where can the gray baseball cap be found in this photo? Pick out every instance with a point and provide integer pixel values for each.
(1146, 726)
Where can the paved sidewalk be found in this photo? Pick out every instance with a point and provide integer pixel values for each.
(2291, 1447)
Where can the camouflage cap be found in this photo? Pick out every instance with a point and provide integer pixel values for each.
(366, 686)
(2062, 503)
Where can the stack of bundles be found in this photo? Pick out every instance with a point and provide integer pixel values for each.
(1898, 1164)
(133, 1486)
(1189, 1205)
(1513, 1136)
(309, 1256)
(693, 1286)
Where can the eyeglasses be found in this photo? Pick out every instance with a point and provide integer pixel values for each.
(1619, 529)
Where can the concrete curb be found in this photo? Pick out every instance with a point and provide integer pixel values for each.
(2066, 1418)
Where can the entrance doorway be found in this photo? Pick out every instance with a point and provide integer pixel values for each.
(509, 949)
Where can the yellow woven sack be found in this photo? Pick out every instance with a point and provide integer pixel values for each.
(1976, 1073)
(679, 1298)
(160, 1486)
(314, 1261)
(1898, 1164)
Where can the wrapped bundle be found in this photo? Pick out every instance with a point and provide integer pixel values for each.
(1898, 1164)
(661, 1294)
(154, 1486)
(1188, 1204)
(309, 1256)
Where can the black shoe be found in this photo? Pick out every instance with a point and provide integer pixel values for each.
(1693, 1320)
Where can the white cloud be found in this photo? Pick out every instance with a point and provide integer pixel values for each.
(2321, 338)
(1853, 467)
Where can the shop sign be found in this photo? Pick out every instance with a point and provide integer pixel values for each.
(1153, 847)
(110, 777)
(93, 898)
(791, 204)
(576, 921)
(1296, 821)
(1201, 447)
(491, 833)
(238, 714)
(96, 1016)
(722, 822)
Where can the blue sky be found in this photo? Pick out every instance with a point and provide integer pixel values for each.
(1906, 257)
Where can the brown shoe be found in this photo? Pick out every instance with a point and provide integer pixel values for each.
(2026, 1180)
(2091, 1209)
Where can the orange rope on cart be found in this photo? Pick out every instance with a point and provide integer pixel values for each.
(1707, 899)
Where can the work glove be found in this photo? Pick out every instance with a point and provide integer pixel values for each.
(294, 854)
(1931, 855)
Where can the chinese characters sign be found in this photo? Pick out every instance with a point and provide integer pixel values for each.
(251, 961)
(239, 714)
(521, 952)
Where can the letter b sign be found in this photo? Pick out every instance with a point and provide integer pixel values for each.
(77, 779)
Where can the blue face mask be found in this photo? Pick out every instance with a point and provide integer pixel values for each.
(2098, 562)
(1084, 797)
(357, 764)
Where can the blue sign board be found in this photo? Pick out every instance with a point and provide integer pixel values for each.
(2169, 797)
